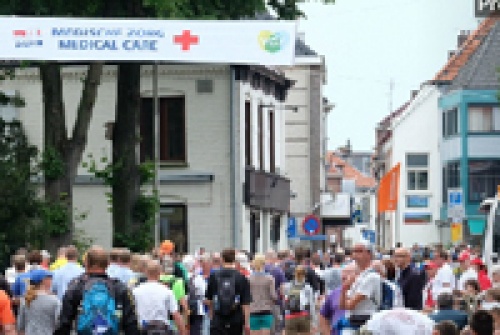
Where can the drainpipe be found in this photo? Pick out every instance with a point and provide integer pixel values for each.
(232, 158)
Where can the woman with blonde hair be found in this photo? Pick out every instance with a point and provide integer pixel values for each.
(39, 310)
(263, 298)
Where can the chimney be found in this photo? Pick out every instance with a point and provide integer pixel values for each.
(451, 53)
(462, 37)
(413, 94)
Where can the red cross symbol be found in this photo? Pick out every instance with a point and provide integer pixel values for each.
(186, 40)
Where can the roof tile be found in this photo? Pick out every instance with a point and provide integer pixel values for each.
(340, 166)
(467, 49)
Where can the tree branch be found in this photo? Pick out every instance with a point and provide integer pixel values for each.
(85, 109)
(54, 114)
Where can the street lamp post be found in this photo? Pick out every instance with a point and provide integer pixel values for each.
(156, 154)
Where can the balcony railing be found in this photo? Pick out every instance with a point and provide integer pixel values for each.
(264, 190)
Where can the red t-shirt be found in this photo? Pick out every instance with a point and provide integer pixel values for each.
(484, 280)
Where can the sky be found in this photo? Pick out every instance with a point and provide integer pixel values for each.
(368, 43)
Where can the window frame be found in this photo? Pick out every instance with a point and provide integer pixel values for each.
(185, 224)
(248, 134)
(491, 130)
(417, 170)
(450, 129)
(147, 123)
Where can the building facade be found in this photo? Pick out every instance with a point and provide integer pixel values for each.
(470, 112)
(415, 145)
(207, 193)
(305, 135)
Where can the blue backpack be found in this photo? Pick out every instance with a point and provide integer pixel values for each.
(98, 314)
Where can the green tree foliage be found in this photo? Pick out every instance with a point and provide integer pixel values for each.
(18, 195)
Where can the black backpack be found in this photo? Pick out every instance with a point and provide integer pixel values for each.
(226, 294)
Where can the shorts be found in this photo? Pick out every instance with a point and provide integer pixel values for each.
(300, 324)
(261, 321)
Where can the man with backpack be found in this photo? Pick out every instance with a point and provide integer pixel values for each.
(96, 303)
(228, 296)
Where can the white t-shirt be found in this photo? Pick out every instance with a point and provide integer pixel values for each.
(443, 277)
(200, 286)
(400, 321)
(154, 301)
(368, 284)
(470, 273)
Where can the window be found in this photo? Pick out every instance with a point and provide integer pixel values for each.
(417, 201)
(260, 118)
(417, 171)
(248, 133)
(484, 176)
(484, 119)
(173, 226)
(172, 129)
(8, 109)
(451, 178)
(450, 122)
(272, 144)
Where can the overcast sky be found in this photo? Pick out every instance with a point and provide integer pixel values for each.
(366, 43)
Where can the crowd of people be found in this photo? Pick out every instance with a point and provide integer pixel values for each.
(359, 290)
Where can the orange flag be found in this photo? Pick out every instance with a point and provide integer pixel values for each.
(388, 190)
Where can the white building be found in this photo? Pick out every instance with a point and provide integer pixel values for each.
(222, 151)
(305, 134)
(415, 145)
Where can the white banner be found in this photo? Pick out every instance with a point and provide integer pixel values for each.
(66, 39)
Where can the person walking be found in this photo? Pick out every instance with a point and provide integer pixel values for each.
(264, 298)
(361, 295)
(228, 297)
(467, 270)
(195, 297)
(81, 306)
(67, 272)
(7, 319)
(39, 310)
(411, 280)
(156, 302)
(299, 304)
(331, 313)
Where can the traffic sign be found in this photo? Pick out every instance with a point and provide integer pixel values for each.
(311, 225)
(456, 210)
(291, 230)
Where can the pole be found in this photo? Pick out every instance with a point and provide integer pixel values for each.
(156, 154)
(233, 130)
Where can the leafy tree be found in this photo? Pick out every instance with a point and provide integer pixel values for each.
(62, 153)
(18, 195)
